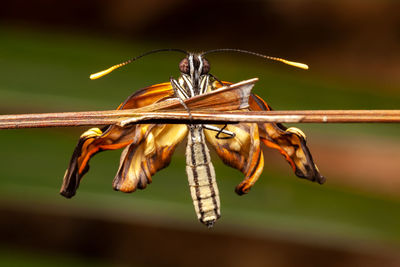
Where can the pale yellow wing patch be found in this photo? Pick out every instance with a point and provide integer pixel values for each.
(290, 142)
(139, 162)
(242, 152)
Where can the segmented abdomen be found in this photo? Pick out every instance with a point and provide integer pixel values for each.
(201, 176)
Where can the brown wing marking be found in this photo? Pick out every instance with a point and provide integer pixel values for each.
(92, 142)
(235, 96)
(290, 142)
(242, 152)
(232, 97)
(111, 137)
(139, 162)
(147, 96)
(282, 151)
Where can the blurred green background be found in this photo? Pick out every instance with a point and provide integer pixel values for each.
(47, 52)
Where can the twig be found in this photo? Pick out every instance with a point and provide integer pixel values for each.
(96, 118)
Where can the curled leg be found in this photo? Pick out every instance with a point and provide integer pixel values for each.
(219, 131)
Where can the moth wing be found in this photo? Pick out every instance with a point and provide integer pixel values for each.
(148, 95)
(291, 143)
(140, 161)
(111, 137)
(230, 97)
(242, 152)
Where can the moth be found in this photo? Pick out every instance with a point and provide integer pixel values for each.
(148, 148)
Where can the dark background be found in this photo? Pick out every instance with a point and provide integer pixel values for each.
(47, 51)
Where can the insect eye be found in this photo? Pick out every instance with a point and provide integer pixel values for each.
(206, 66)
(184, 66)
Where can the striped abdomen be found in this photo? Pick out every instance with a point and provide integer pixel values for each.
(201, 176)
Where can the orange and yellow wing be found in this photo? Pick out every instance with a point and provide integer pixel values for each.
(111, 137)
(148, 95)
(140, 161)
(242, 152)
(291, 143)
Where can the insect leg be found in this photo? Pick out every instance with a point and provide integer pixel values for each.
(178, 89)
(204, 84)
(219, 131)
(126, 122)
(188, 83)
(215, 78)
(178, 92)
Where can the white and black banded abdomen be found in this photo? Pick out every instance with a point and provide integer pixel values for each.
(201, 176)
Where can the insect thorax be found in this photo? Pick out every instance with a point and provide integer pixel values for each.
(193, 87)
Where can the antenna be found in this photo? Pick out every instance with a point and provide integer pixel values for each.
(112, 68)
(288, 62)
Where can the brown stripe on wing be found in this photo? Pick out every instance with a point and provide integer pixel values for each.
(242, 152)
(148, 95)
(92, 142)
(230, 97)
(111, 137)
(140, 161)
(291, 143)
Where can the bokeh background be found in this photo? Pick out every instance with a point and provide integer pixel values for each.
(49, 48)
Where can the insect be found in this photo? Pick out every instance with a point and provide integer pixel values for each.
(149, 147)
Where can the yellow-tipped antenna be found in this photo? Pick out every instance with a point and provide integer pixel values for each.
(102, 73)
(288, 62)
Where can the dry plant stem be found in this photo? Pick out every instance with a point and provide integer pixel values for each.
(96, 118)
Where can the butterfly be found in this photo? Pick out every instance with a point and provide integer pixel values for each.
(148, 148)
